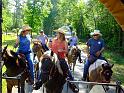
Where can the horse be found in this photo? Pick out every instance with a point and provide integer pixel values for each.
(72, 56)
(38, 51)
(100, 71)
(15, 65)
(53, 77)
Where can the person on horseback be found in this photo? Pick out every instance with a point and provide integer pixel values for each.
(43, 39)
(95, 47)
(60, 47)
(23, 43)
(73, 41)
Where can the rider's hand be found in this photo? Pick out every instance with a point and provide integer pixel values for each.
(15, 45)
(98, 53)
(60, 50)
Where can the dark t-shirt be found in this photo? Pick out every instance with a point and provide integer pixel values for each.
(95, 45)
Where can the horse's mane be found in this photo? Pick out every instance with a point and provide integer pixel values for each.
(14, 60)
(51, 55)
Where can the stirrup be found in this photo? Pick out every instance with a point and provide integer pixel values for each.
(73, 87)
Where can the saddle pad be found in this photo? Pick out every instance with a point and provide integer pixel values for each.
(96, 64)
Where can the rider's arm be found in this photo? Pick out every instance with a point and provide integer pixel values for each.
(16, 43)
(102, 50)
(88, 43)
(46, 40)
(87, 50)
(66, 47)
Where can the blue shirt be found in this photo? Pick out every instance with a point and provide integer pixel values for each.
(42, 38)
(24, 44)
(73, 41)
(95, 45)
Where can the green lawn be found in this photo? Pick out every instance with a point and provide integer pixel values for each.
(114, 58)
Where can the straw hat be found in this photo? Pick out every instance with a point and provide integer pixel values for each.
(60, 30)
(96, 32)
(24, 28)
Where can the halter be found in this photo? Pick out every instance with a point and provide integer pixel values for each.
(104, 72)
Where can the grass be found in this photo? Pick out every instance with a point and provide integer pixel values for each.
(114, 58)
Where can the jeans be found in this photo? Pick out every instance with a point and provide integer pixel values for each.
(31, 66)
(65, 68)
(45, 47)
(29, 58)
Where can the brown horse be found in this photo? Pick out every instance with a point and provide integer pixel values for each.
(100, 71)
(15, 65)
(38, 49)
(38, 52)
(73, 54)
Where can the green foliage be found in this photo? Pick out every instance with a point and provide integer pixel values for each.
(7, 17)
(52, 14)
(35, 12)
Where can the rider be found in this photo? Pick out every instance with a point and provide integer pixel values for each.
(23, 43)
(95, 47)
(60, 47)
(73, 41)
(43, 39)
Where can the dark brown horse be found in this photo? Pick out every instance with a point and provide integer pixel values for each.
(100, 71)
(73, 54)
(15, 65)
(51, 76)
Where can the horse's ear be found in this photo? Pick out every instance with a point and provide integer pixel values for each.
(52, 53)
(103, 66)
(112, 65)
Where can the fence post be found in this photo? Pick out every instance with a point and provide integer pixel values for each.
(0, 45)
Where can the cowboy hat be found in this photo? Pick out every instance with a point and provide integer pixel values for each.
(96, 32)
(60, 30)
(25, 28)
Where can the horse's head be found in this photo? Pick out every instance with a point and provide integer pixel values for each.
(48, 63)
(11, 58)
(37, 47)
(6, 54)
(106, 72)
(73, 51)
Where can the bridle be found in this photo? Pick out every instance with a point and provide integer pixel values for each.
(105, 73)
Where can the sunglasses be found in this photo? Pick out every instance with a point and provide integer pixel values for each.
(96, 35)
(26, 30)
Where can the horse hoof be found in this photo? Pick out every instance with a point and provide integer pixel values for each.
(37, 85)
(73, 87)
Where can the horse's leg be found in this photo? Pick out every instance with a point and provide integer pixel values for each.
(23, 87)
(74, 66)
(9, 87)
(48, 91)
(37, 71)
